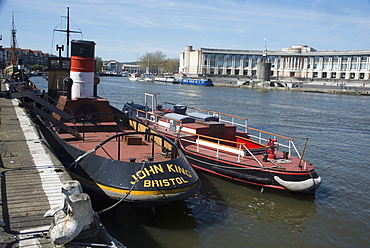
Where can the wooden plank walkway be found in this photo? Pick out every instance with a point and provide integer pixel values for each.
(30, 178)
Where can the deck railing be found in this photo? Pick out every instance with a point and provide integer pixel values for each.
(259, 135)
(224, 117)
(215, 144)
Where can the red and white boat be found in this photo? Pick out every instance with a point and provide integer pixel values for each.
(224, 145)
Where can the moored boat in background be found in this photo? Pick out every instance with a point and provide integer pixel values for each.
(134, 77)
(171, 80)
(225, 146)
(197, 81)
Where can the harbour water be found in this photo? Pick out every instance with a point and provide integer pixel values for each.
(226, 214)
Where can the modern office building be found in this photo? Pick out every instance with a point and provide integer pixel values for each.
(299, 61)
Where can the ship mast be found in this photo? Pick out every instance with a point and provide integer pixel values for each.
(68, 31)
(14, 42)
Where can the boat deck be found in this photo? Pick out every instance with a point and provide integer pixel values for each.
(124, 148)
(246, 161)
(240, 161)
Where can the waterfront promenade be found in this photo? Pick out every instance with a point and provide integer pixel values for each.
(31, 179)
(330, 87)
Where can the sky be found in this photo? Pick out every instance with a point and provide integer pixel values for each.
(124, 30)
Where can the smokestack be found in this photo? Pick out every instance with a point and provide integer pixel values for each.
(82, 68)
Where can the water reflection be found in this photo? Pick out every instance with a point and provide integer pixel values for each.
(222, 212)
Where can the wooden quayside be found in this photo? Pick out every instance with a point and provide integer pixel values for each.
(31, 183)
(30, 178)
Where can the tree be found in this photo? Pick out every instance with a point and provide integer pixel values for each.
(153, 62)
(171, 65)
(98, 64)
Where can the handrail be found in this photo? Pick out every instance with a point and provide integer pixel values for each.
(277, 135)
(245, 148)
(254, 157)
(144, 112)
(217, 139)
(214, 112)
(58, 103)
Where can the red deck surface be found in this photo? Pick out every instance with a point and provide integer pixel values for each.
(126, 151)
(246, 160)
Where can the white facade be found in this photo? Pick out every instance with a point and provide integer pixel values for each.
(298, 61)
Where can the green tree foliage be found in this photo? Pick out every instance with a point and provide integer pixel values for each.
(98, 64)
(37, 67)
(171, 65)
(156, 63)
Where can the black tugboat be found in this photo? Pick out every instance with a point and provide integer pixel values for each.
(101, 147)
(110, 153)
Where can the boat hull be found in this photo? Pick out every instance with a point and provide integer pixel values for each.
(146, 184)
(202, 82)
(251, 174)
(226, 160)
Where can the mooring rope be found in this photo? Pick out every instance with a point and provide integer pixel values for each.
(74, 163)
(124, 197)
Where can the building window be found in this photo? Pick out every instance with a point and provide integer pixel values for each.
(324, 75)
(333, 75)
(362, 75)
(237, 60)
(342, 75)
(352, 75)
(245, 63)
(315, 74)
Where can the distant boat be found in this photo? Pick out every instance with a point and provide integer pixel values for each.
(171, 80)
(197, 81)
(148, 79)
(110, 74)
(134, 77)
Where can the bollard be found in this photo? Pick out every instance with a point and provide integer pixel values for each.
(75, 221)
(73, 216)
(79, 217)
(68, 188)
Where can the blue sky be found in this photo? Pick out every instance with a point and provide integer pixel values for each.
(125, 29)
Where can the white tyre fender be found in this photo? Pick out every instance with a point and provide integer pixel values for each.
(299, 186)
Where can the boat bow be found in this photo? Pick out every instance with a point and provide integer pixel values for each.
(299, 186)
